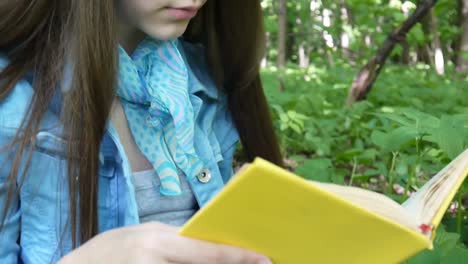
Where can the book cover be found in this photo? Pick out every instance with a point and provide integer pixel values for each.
(274, 212)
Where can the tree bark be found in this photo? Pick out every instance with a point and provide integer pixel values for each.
(303, 55)
(344, 36)
(405, 56)
(439, 61)
(365, 79)
(424, 50)
(282, 37)
(462, 57)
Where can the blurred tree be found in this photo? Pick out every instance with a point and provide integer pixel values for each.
(282, 38)
(436, 45)
(363, 82)
(462, 57)
(302, 33)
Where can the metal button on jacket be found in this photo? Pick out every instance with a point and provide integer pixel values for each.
(204, 176)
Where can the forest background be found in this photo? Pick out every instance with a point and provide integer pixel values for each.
(373, 93)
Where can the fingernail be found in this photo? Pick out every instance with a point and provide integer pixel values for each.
(265, 261)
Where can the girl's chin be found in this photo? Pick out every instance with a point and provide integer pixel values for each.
(167, 32)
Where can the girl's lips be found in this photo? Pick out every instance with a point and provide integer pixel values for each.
(182, 13)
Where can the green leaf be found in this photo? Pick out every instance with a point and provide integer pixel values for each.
(422, 119)
(398, 118)
(457, 255)
(296, 128)
(426, 257)
(444, 251)
(445, 241)
(450, 136)
(348, 154)
(416, 35)
(284, 117)
(393, 140)
(317, 170)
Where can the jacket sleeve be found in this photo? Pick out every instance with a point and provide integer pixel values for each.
(13, 108)
(10, 230)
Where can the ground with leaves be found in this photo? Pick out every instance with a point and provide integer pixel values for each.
(412, 124)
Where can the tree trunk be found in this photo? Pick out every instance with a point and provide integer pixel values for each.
(363, 82)
(405, 56)
(303, 54)
(424, 50)
(327, 38)
(458, 22)
(264, 62)
(344, 35)
(439, 61)
(462, 57)
(282, 36)
(423, 54)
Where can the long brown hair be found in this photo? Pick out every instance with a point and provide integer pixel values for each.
(47, 36)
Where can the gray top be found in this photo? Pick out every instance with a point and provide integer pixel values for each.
(152, 206)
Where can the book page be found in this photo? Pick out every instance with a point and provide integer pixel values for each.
(432, 200)
(374, 202)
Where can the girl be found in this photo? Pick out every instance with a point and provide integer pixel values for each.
(118, 112)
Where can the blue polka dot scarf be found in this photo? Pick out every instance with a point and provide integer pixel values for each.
(153, 86)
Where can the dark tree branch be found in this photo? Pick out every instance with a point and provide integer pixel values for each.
(365, 79)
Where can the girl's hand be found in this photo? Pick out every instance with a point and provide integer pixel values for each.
(157, 243)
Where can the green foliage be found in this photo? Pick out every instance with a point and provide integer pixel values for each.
(447, 249)
(306, 26)
(413, 123)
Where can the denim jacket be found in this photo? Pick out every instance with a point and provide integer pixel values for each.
(35, 229)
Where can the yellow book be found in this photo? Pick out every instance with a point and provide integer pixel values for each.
(274, 212)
